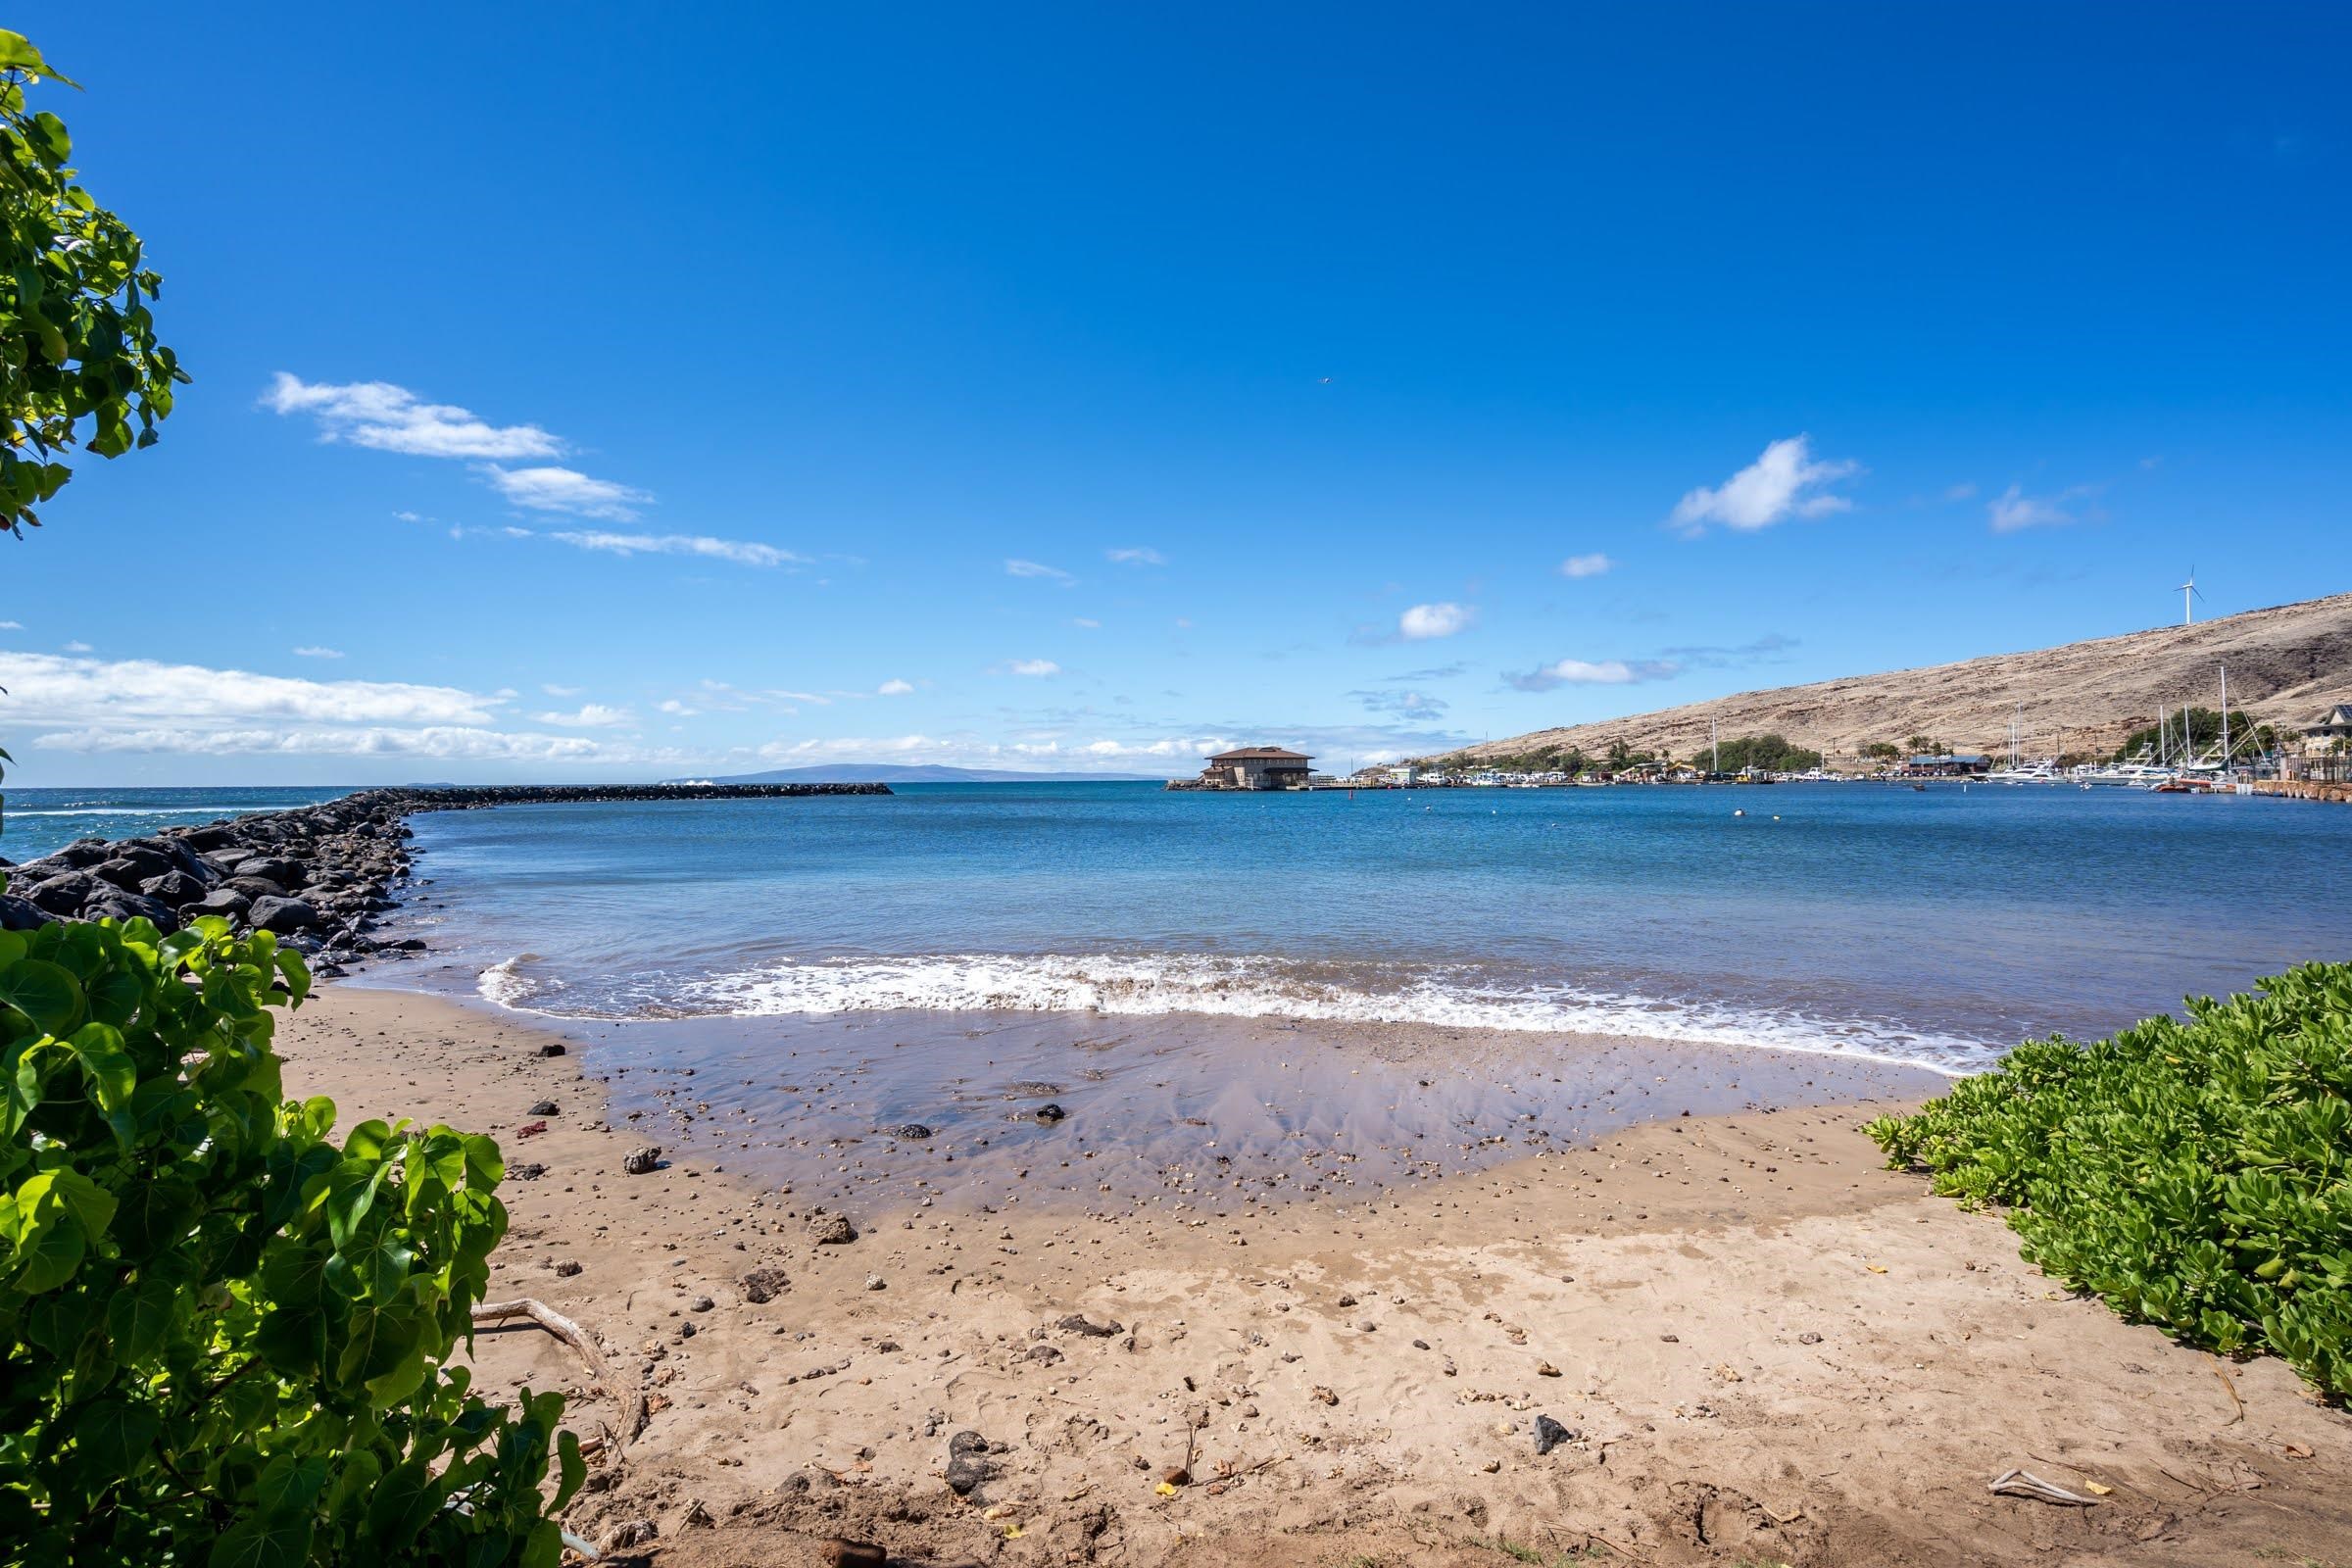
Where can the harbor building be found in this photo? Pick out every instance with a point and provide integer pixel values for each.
(1256, 767)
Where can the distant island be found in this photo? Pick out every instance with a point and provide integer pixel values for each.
(915, 773)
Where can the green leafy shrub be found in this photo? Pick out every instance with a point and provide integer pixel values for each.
(2198, 1174)
(227, 1333)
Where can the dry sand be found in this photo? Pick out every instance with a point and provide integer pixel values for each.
(1769, 1350)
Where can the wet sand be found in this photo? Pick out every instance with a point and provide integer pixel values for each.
(1186, 1112)
(1767, 1349)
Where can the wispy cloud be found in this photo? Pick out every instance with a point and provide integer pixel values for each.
(1039, 569)
(1765, 649)
(1136, 555)
(555, 489)
(1593, 566)
(2013, 510)
(893, 688)
(1086, 624)
(392, 418)
(1784, 482)
(1422, 623)
(314, 652)
(591, 715)
(1404, 704)
(12, 625)
(1604, 673)
(1034, 668)
(742, 552)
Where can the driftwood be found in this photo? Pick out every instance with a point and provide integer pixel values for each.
(633, 1410)
(2022, 1483)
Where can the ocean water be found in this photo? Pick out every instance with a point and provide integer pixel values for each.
(40, 820)
(1927, 928)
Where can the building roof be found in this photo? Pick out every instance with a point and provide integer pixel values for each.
(2335, 717)
(1262, 753)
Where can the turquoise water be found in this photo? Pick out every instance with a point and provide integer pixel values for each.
(1934, 929)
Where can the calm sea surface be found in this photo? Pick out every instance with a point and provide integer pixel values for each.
(1935, 928)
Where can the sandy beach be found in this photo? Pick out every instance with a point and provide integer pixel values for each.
(1762, 1347)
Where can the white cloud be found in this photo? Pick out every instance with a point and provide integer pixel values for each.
(1425, 621)
(1774, 487)
(392, 418)
(1034, 568)
(676, 709)
(105, 694)
(1033, 667)
(78, 647)
(893, 688)
(1592, 566)
(1086, 624)
(555, 489)
(1962, 491)
(2013, 510)
(563, 690)
(591, 715)
(12, 625)
(312, 651)
(1604, 673)
(1136, 555)
(436, 742)
(743, 552)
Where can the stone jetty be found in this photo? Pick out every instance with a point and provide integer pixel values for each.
(317, 876)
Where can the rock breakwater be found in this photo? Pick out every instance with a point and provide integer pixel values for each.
(317, 876)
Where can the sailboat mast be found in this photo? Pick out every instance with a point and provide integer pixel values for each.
(2225, 719)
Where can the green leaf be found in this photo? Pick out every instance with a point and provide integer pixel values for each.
(138, 1319)
(42, 992)
(54, 1252)
(572, 1469)
(264, 1540)
(115, 1434)
(399, 1508)
(17, 53)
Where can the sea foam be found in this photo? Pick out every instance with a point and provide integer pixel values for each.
(1140, 985)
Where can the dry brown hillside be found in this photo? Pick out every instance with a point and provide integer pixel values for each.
(2286, 664)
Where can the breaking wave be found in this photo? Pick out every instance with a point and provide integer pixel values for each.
(1156, 984)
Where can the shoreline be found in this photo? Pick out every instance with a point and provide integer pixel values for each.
(1770, 1350)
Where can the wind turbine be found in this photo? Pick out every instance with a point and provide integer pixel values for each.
(2188, 616)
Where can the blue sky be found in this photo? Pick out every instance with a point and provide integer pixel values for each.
(585, 392)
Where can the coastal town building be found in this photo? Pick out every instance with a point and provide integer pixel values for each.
(1257, 767)
(1946, 764)
(2326, 745)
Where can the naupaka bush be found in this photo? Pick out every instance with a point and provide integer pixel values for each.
(226, 1333)
(2198, 1174)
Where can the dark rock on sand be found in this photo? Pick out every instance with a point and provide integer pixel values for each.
(764, 1284)
(1550, 1435)
(1050, 1112)
(914, 1130)
(832, 1229)
(967, 1462)
(543, 1108)
(1079, 1323)
(642, 1161)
